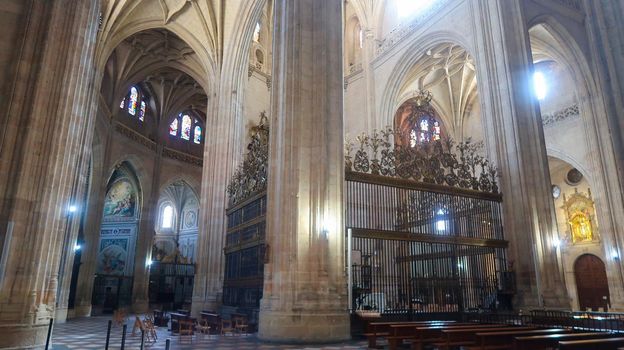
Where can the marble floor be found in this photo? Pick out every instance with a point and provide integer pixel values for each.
(90, 334)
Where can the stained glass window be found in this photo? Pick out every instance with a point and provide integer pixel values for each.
(186, 127)
(142, 111)
(197, 134)
(134, 98)
(427, 129)
(173, 127)
(123, 103)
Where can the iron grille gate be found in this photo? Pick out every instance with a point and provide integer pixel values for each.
(417, 248)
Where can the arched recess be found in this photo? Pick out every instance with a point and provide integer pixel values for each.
(173, 256)
(117, 244)
(551, 41)
(591, 283)
(440, 65)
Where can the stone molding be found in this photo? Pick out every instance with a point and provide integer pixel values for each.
(167, 152)
(570, 112)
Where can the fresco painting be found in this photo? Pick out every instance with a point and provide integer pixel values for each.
(120, 201)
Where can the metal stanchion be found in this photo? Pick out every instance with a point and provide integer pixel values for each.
(167, 344)
(49, 334)
(142, 338)
(110, 324)
(123, 337)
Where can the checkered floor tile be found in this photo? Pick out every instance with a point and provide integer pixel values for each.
(90, 334)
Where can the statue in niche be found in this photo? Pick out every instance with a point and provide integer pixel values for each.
(580, 213)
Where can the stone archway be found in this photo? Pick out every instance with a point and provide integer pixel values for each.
(591, 283)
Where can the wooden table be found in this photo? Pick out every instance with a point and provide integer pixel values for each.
(176, 318)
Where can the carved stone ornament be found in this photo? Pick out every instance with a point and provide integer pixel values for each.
(439, 162)
(250, 177)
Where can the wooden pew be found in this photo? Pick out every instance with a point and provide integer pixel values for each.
(421, 336)
(592, 344)
(504, 340)
(467, 336)
(550, 341)
(382, 329)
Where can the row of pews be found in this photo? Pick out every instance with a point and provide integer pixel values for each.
(478, 336)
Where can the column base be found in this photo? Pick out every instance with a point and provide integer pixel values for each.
(23, 337)
(60, 315)
(82, 311)
(304, 327)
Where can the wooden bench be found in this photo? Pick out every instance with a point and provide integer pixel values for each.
(382, 329)
(467, 336)
(504, 340)
(551, 341)
(421, 336)
(592, 344)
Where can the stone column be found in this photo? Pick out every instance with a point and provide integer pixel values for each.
(515, 138)
(145, 237)
(41, 159)
(305, 288)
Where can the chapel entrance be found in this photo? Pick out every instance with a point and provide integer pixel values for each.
(591, 283)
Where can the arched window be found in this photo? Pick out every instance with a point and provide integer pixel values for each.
(418, 123)
(134, 103)
(167, 217)
(426, 129)
(256, 34)
(197, 135)
(186, 128)
(173, 127)
(142, 111)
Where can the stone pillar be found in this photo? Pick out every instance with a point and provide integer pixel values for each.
(41, 159)
(305, 287)
(606, 44)
(515, 138)
(145, 237)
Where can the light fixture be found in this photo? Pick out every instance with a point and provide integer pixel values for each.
(615, 255)
(556, 242)
(539, 85)
(72, 208)
(77, 247)
(149, 263)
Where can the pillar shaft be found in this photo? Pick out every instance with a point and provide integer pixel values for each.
(40, 166)
(305, 294)
(516, 140)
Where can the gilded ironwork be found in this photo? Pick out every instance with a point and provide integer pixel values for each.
(251, 176)
(439, 162)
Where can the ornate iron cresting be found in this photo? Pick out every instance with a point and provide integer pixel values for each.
(441, 162)
(251, 176)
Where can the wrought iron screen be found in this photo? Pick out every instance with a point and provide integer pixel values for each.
(422, 248)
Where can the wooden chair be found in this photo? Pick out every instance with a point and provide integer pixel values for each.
(138, 324)
(119, 317)
(226, 327)
(240, 324)
(150, 329)
(203, 327)
(186, 329)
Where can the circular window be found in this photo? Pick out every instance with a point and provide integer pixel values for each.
(574, 177)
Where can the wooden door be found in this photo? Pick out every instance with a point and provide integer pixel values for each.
(591, 282)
